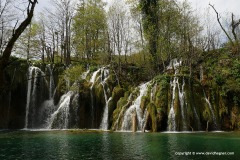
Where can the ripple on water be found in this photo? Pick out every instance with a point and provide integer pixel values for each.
(106, 145)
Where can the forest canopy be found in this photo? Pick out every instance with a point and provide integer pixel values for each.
(132, 33)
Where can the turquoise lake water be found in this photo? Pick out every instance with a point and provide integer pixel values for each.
(64, 145)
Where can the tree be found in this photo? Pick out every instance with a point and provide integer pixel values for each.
(234, 26)
(29, 44)
(150, 17)
(59, 29)
(140, 41)
(211, 39)
(90, 30)
(17, 31)
(6, 17)
(119, 22)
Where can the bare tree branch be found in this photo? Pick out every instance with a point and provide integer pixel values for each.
(218, 19)
(4, 59)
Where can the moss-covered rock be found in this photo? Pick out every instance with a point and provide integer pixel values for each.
(117, 93)
(118, 113)
(152, 119)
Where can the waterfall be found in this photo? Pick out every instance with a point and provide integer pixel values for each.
(174, 64)
(51, 81)
(29, 89)
(36, 80)
(127, 119)
(215, 124)
(171, 116)
(104, 76)
(47, 107)
(60, 118)
(153, 92)
(144, 121)
(92, 80)
(116, 124)
(181, 95)
(84, 75)
(104, 123)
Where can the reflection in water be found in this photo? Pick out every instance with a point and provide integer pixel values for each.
(42, 146)
(172, 145)
(134, 145)
(67, 145)
(106, 147)
(64, 147)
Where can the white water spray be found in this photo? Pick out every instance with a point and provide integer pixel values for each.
(127, 119)
(60, 118)
(174, 64)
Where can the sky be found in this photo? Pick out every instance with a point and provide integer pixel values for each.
(222, 6)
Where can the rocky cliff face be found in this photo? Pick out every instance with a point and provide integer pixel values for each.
(13, 97)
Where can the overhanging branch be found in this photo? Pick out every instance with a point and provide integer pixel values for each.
(218, 19)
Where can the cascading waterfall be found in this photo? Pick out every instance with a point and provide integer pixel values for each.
(104, 123)
(36, 80)
(174, 64)
(181, 95)
(84, 75)
(60, 118)
(92, 80)
(153, 91)
(102, 77)
(51, 81)
(105, 75)
(48, 107)
(145, 113)
(215, 124)
(171, 115)
(129, 100)
(75, 117)
(42, 113)
(94, 76)
(29, 93)
(144, 121)
(127, 119)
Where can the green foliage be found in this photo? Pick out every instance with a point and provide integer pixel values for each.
(236, 70)
(153, 114)
(118, 113)
(90, 28)
(219, 80)
(72, 78)
(28, 44)
(74, 73)
(117, 93)
(163, 80)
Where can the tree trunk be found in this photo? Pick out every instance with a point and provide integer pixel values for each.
(28, 42)
(16, 34)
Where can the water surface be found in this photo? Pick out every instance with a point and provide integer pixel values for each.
(106, 145)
